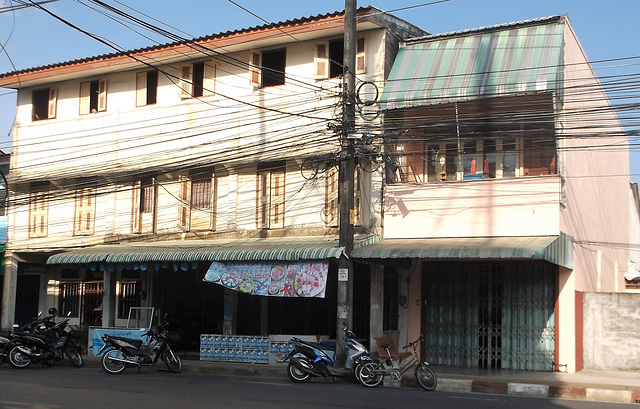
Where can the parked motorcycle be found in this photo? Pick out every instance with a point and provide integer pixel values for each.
(120, 352)
(309, 359)
(46, 341)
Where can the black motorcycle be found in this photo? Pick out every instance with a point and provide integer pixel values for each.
(45, 341)
(121, 352)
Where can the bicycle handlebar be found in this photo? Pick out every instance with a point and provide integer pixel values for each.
(420, 338)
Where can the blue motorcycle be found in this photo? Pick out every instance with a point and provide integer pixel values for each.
(308, 359)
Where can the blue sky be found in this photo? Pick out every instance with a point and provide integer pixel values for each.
(607, 30)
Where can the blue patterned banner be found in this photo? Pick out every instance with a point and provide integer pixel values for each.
(302, 279)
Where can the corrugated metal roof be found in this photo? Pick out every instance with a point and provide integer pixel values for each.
(482, 64)
(555, 249)
(274, 248)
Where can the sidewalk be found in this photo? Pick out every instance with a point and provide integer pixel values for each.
(590, 385)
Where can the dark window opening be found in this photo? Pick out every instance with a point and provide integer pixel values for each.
(198, 79)
(94, 90)
(273, 66)
(40, 101)
(152, 87)
(336, 57)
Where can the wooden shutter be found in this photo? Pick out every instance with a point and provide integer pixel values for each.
(331, 210)
(85, 212)
(141, 89)
(184, 206)
(136, 219)
(102, 95)
(53, 102)
(321, 60)
(255, 70)
(85, 98)
(38, 214)
(262, 211)
(277, 198)
(360, 57)
(185, 81)
(209, 80)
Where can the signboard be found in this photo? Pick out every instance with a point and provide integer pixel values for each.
(283, 279)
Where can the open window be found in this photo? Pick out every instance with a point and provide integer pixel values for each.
(198, 79)
(44, 103)
(267, 68)
(329, 58)
(146, 88)
(93, 97)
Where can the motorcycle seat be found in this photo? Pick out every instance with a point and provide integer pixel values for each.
(135, 342)
(326, 347)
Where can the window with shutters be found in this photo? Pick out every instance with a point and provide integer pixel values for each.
(144, 204)
(44, 102)
(267, 68)
(84, 220)
(93, 97)
(198, 79)
(329, 58)
(184, 203)
(38, 210)
(331, 211)
(270, 196)
(146, 88)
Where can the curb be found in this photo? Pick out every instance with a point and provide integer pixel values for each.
(594, 394)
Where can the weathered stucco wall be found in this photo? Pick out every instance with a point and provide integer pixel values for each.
(612, 331)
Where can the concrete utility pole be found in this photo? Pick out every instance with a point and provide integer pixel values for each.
(346, 174)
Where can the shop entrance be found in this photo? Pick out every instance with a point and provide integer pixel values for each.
(490, 316)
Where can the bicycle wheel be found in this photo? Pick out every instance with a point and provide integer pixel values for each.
(367, 376)
(426, 377)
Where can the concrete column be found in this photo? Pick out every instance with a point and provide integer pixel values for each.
(566, 337)
(230, 324)
(9, 291)
(109, 298)
(377, 305)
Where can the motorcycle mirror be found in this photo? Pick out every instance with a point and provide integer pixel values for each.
(40, 314)
(69, 314)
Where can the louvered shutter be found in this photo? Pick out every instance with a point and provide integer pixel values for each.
(53, 103)
(360, 57)
(185, 81)
(102, 95)
(321, 60)
(209, 81)
(141, 89)
(255, 71)
(85, 98)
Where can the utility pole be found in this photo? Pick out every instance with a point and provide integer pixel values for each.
(346, 183)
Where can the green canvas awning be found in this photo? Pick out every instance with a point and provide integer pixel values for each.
(285, 249)
(473, 64)
(555, 249)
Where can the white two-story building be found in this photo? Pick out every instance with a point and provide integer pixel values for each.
(133, 174)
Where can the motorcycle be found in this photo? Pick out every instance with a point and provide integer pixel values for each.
(120, 352)
(46, 341)
(309, 359)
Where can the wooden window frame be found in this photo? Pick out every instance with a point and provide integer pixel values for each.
(270, 197)
(85, 212)
(38, 214)
(93, 96)
(44, 103)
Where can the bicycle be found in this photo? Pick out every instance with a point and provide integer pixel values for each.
(371, 374)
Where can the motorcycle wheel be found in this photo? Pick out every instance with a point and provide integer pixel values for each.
(74, 356)
(367, 377)
(109, 365)
(296, 374)
(172, 360)
(19, 359)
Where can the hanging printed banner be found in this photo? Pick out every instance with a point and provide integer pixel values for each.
(301, 279)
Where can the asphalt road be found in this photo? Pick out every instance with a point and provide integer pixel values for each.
(63, 386)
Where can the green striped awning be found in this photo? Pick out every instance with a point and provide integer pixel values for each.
(276, 248)
(555, 249)
(473, 64)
